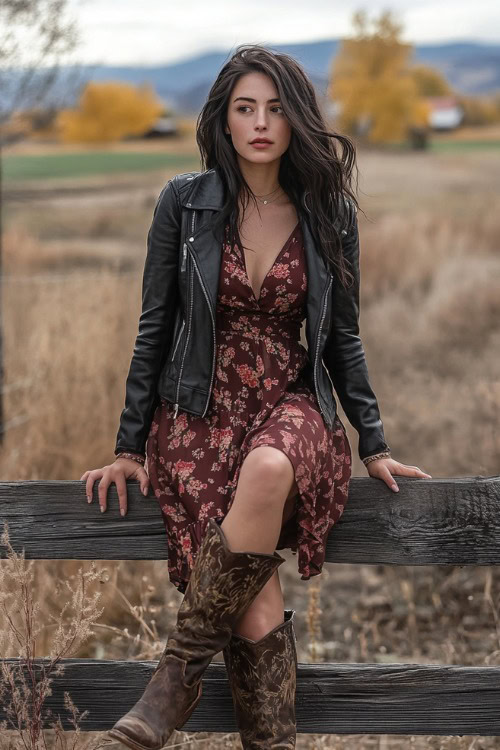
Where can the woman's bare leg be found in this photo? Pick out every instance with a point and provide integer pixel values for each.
(264, 501)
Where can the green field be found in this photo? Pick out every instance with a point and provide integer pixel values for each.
(32, 167)
(458, 146)
(18, 167)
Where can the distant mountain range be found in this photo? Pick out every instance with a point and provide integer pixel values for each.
(470, 67)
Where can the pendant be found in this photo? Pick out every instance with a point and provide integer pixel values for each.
(265, 202)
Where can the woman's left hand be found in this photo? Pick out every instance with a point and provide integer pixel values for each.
(384, 468)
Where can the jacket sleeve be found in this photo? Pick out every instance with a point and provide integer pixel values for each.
(159, 300)
(344, 355)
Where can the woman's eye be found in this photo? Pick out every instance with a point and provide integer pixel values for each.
(245, 106)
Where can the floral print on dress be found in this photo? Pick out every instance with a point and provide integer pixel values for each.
(259, 397)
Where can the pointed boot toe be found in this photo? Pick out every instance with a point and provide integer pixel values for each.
(135, 733)
(162, 708)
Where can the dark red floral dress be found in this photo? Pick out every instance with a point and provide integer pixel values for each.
(259, 397)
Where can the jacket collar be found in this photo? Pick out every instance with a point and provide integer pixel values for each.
(204, 190)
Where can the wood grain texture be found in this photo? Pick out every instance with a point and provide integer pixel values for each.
(331, 698)
(448, 521)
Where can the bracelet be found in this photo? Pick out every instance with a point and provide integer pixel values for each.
(134, 456)
(384, 454)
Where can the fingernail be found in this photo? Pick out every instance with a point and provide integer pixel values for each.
(395, 488)
(144, 492)
(122, 512)
(102, 508)
(89, 498)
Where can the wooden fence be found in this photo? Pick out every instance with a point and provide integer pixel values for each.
(448, 521)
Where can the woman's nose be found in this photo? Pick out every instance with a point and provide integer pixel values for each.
(261, 119)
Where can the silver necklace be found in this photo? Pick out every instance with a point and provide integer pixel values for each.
(265, 202)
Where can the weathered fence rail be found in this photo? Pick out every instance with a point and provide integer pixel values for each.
(439, 521)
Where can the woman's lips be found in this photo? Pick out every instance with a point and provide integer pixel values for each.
(261, 144)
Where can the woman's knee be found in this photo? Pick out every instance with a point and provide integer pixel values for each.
(269, 469)
(265, 481)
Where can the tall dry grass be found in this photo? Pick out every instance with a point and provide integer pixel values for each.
(24, 685)
(429, 319)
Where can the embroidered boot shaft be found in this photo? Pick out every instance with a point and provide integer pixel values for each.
(221, 587)
(263, 677)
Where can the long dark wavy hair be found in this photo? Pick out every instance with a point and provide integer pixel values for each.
(311, 167)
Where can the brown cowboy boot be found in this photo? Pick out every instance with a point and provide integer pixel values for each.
(263, 676)
(221, 587)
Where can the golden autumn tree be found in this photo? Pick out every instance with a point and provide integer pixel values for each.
(108, 112)
(373, 82)
(430, 82)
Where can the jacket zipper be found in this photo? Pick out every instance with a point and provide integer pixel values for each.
(179, 335)
(317, 346)
(191, 296)
(214, 343)
(213, 335)
(183, 268)
(315, 368)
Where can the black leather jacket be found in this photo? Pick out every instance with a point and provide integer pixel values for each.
(174, 352)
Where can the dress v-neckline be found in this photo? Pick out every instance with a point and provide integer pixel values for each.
(257, 299)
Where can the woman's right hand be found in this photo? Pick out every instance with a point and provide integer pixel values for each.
(117, 472)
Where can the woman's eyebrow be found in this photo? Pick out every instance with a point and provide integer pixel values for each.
(248, 99)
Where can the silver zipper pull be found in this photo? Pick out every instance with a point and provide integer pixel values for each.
(184, 257)
(176, 410)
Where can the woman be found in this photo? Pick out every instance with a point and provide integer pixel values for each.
(237, 419)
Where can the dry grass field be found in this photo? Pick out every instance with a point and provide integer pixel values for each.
(429, 226)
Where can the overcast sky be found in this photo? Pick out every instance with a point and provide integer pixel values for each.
(157, 31)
